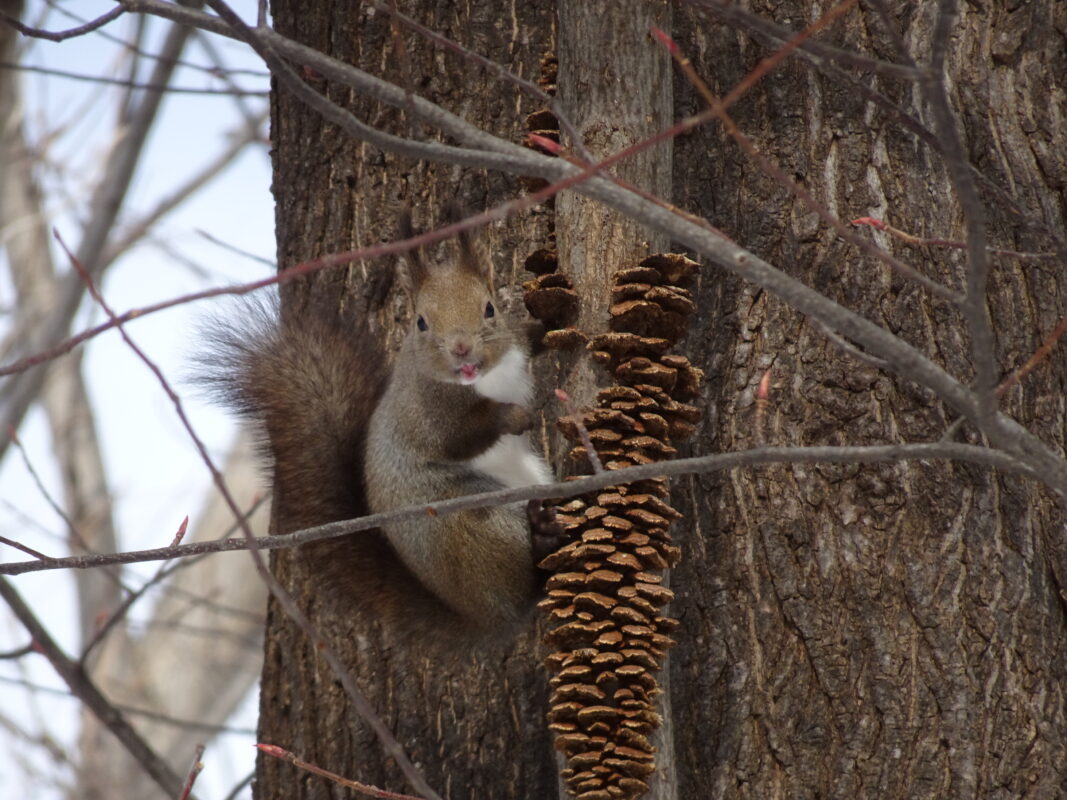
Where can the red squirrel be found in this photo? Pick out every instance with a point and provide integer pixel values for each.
(346, 437)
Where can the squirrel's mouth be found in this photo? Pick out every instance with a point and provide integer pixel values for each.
(468, 373)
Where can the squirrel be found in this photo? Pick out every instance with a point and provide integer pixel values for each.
(346, 436)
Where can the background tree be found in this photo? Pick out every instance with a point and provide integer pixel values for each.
(78, 168)
(848, 628)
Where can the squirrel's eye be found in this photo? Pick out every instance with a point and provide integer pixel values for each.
(489, 310)
(421, 323)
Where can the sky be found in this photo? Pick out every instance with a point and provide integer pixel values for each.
(156, 476)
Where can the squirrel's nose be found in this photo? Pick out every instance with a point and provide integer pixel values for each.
(461, 349)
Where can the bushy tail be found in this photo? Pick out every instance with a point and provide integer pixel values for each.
(309, 386)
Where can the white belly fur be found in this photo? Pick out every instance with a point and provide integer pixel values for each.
(509, 381)
(511, 460)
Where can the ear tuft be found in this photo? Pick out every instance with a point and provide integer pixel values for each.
(416, 258)
(471, 257)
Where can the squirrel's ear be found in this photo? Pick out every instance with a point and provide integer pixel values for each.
(471, 256)
(416, 258)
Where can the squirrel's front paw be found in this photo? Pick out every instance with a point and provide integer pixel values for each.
(515, 419)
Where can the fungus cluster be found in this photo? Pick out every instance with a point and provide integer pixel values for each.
(608, 630)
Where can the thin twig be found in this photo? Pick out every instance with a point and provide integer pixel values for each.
(783, 179)
(974, 308)
(59, 36)
(948, 451)
(267, 262)
(132, 84)
(19, 546)
(134, 711)
(882, 225)
(1039, 355)
(362, 788)
(18, 652)
(583, 432)
(85, 690)
(847, 346)
(194, 772)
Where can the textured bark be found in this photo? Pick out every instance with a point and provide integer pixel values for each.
(882, 631)
(615, 86)
(475, 726)
(847, 631)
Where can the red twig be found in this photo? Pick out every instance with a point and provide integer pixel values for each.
(882, 225)
(763, 397)
(1032, 362)
(719, 109)
(583, 433)
(194, 772)
(430, 237)
(371, 791)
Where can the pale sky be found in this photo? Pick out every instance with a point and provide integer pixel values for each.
(156, 476)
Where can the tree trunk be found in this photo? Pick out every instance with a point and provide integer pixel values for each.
(872, 631)
(475, 727)
(847, 631)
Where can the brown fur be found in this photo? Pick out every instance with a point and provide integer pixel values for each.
(313, 386)
(310, 387)
(427, 428)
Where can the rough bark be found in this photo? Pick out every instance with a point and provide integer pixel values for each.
(890, 631)
(615, 86)
(852, 631)
(474, 726)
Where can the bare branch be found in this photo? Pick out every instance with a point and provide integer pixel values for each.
(948, 451)
(776, 172)
(132, 84)
(18, 394)
(133, 711)
(777, 35)
(59, 36)
(975, 311)
(362, 788)
(83, 688)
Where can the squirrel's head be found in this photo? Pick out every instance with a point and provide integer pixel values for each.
(457, 331)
